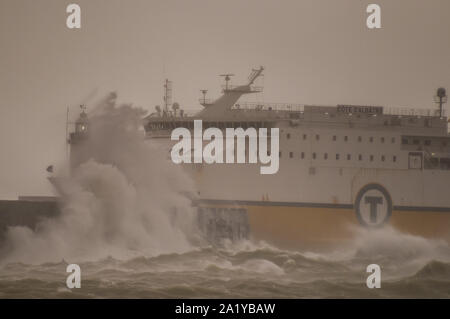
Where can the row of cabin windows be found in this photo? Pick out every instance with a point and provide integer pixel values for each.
(167, 125)
(405, 141)
(349, 156)
(335, 138)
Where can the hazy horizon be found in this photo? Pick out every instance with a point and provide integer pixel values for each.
(314, 52)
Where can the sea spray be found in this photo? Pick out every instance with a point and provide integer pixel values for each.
(124, 199)
(399, 254)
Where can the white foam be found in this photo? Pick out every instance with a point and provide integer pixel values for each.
(118, 203)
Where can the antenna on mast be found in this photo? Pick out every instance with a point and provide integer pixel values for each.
(203, 100)
(440, 98)
(67, 133)
(227, 77)
(167, 95)
(204, 95)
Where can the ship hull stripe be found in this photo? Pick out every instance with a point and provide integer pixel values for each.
(313, 205)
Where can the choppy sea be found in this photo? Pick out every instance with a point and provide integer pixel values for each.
(246, 271)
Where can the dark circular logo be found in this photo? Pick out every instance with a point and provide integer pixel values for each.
(373, 206)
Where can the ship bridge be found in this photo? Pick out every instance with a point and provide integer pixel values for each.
(227, 111)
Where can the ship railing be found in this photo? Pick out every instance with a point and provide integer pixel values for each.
(403, 111)
(269, 107)
(203, 101)
(399, 111)
(190, 113)
(171, 115)
(253, 88)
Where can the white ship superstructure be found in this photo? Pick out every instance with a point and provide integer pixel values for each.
(340, 167)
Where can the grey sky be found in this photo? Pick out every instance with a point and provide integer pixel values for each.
(314, 51)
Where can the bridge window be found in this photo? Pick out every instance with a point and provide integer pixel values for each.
(359, 138)
(371, 158)
(325, 156)
(394, 158)
(288, 135)
(314, 155)
(334, 137)
(317, 137)
(371, 139)
(360, 157)
(445, 163)
(393, 140)
(305, 136)
(291, 154)
(382, 140)
(383, 158)
(337, 156)
(302, 155)
(349, 157)
(346, 138)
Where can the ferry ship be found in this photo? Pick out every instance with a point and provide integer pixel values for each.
(341, 168)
